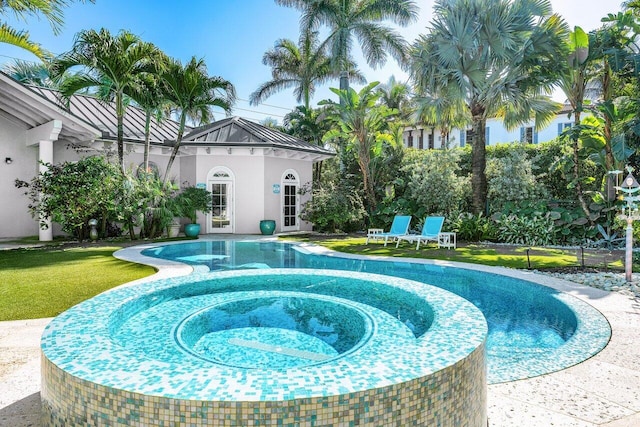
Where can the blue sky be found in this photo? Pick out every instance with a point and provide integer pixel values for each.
(232, 36)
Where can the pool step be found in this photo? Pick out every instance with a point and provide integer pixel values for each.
(317, 357)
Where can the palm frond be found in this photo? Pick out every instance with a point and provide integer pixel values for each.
(21, 39)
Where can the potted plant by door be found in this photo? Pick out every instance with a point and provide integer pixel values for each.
(193, 200)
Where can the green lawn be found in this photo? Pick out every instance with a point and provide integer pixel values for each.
(496, 255)
(37, 283)
(44, 282)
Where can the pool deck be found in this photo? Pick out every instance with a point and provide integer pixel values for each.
(601, 391)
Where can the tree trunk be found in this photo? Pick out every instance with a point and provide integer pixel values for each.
(364, 160)
(576, 169)
(176, 147)
(147, 138)
(120, 137)
(479, 162)
(608, 125)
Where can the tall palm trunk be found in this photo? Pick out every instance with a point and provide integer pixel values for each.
(609, 159)
(147, 140)
(120, 129)
(576, 167)
(608, 125)
(478, 161)
(176, 147)
(364, 161)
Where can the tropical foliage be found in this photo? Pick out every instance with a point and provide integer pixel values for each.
(360, 129)
(360, 19)
(72, 193)
(478, 59)
(192, 94)
(495, 57)
(300, 68)
(112, 64)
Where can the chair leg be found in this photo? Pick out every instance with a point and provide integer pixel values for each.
(418, 245)
(386, 239)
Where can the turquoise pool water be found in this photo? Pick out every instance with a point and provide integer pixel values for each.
(268, 332)
(532, 329)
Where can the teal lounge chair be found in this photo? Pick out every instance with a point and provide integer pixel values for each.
(399, 227)
(430, 231)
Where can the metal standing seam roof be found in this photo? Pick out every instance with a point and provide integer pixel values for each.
(237, 131)
(231, 131)
(103, 116)
(21, 105)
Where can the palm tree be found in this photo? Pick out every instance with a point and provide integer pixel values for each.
(362, 123)
(50, 9)
(301, 68)
(148, 95)
(192, 94)
(361, 19)
(395, 94)
(31, 73)
(309, 125)
(494, 57)
(574, 84)
(443, 113)
(111, 65)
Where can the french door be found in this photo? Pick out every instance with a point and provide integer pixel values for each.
(222, 212)
(290, 202)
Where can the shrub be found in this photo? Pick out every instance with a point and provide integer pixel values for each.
(510, 179)
(434, 183)
(533, 230)
(472, 228)
(193, 200)
(72, 193)
(333, 207)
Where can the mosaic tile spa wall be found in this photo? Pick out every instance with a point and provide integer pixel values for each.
(454, 396)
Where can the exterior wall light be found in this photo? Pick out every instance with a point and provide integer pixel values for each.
(8, 160)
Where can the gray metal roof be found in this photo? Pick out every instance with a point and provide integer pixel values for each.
(28, 109)
(103, 116)
(228, 132)
(236, 131)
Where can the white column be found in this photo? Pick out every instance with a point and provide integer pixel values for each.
(45, 233)
(43, 136)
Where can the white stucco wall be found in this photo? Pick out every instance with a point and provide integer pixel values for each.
(254, 177)
(248, 171)
(275, 167)
(15, 219)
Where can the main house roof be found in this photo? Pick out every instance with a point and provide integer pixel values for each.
(20, 105)
(102, 115)
(228, 132)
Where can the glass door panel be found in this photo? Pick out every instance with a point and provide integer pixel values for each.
(290, 205)
(221, 214)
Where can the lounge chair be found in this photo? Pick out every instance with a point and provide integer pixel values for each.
(399, 227)
(430, 231)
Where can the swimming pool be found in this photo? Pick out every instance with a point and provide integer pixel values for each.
(533, 329)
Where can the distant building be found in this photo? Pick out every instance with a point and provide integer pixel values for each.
(425, 137)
